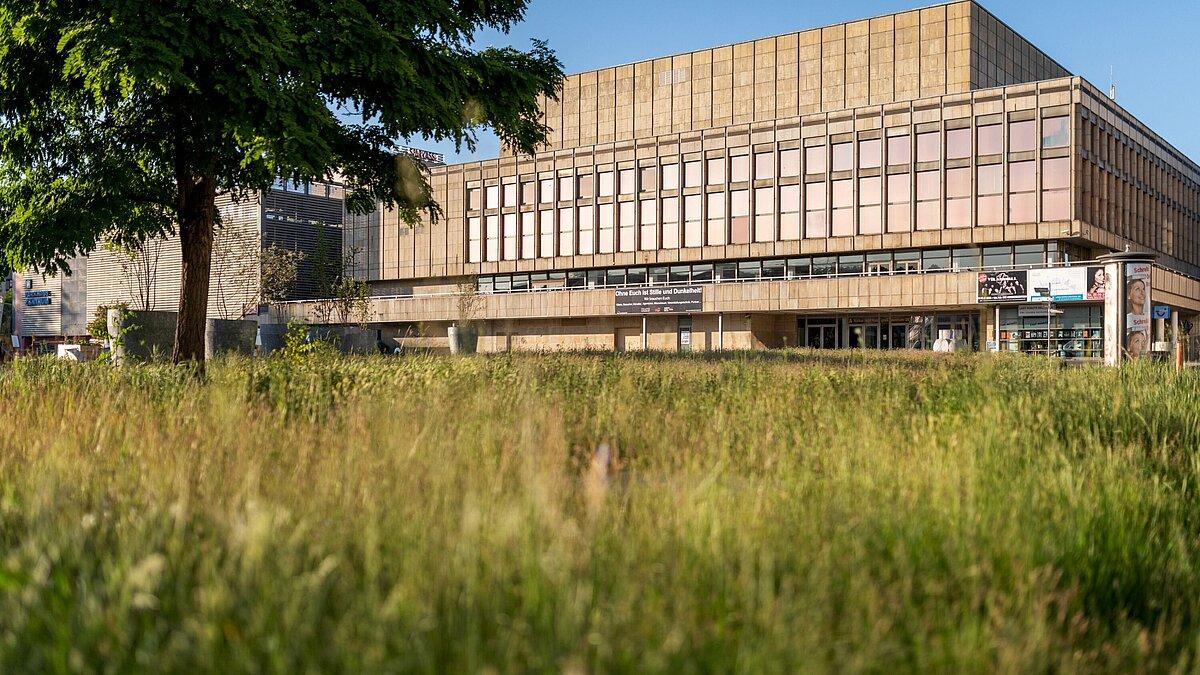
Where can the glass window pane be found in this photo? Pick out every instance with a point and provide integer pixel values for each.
(649, 221)
(608, 239)
(991, 179)
(1029, 254)
(814, 211)
(528, 192)
(739, 217)
(958, 143)
(899, 150)
(1022, 207)
(958, 182)
(566, 191)
(824, 266)
(739, 169)
(789, 163)
(626, 179)
(764, 214)
(691, 174)
(716, 219)
(1056, 132)
(991, 139)
(670, 177)
(1056, 205)
(646, 178)
(870, 153)
(928, 186)
(929, 146)
(935, 259)
(510, 194)
(473, 199)
(1056, 173)
(843, 156)
(585, 186)
(716, 171)
(814, 159)
(606, 183)
(693, 232)
(1022, 136)
(670, 222)
(587, 235)
(546, 190)
(990, 210)
(764, 165)
(1022, 176)
(492, 197)
(566, 231)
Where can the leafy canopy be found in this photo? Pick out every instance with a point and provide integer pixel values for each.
(108, 107)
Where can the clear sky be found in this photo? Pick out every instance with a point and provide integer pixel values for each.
(1153, 46)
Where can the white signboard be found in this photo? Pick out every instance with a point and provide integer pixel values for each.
(1060, 284)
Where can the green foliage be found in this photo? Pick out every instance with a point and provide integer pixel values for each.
(98, 326)
(765, 512)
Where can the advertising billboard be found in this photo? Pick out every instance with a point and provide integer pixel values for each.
(1137, 309)
(1060, 284)
(669, 300)
(1011, 286)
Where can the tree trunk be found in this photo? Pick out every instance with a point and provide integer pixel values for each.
(197, 215)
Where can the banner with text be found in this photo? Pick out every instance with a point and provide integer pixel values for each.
(669, 300)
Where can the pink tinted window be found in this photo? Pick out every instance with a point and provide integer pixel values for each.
(958, 143)
(899, 150)
(991, 139)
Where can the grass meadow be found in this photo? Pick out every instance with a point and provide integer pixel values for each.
(768, 512)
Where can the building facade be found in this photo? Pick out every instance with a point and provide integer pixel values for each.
(305, 218)
(846, 186)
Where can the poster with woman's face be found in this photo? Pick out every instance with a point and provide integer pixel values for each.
(1097, 282)
(1137, 309)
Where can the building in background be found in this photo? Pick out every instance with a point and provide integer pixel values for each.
(843, 186)
(306, 218)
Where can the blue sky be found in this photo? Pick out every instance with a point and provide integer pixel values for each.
(1152, 46)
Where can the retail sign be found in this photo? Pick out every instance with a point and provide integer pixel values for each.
(1009, 286)
(37, 298)
(426, 156)
(1160, 312)
(666, 300)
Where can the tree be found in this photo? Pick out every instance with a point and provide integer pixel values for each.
(123, 119)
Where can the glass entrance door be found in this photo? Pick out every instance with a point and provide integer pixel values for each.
(899, 335)
(822, 336)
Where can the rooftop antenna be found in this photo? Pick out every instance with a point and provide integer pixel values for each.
(1112, 84)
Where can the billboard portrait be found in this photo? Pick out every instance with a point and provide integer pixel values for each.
(1097, 283)
(1137, 309)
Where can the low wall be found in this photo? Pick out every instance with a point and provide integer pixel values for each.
(229, 336)
(142, 335)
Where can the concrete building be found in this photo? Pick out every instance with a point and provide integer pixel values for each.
(867, 184)
(306, 218)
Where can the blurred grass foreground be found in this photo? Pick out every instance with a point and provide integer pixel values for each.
(771, 512)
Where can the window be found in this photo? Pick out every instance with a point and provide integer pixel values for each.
(493, 237)
(990, 190)
(614, 277)
(789, 163)
(749, 270)
(814, 159)
(716, 219)
(929, 200)
(1022, 192)
(789, 212)
(546, 190)
(850, 264)
(815, 226)
(716, 171)
(1056, 132)
(997, 256)
(843, 156)
(646, 179)
(648, 210)
(546, 233)
(870, 198)
(628, 225)
(510, 235)
(1029, 255)
(906, 261)
(929, 147)
(958, 197)
(606, 183)
(764, 214)
(964, 259)
(739, 169)
(670, 177)
(491, 199)
(626, 177)
(843, 208)
(566, 188)
(658, 275)
(899, 199)
(935, 260)
(586, 182)
(680, 274)
(528, 235)
(635, 276)
(608, 239)
(691, 174)
(566, 231)
(1056, 193)
(824, 266)
(958, 143)
(693, 223)
(510, 194)
(473, 199)
(799, 267)
(899, 150)
(1022, 136)
(702, 272)
(670, 222)
(739, 217)
(764, 165)
(587, 238)
(870, 153)
(474, 240)
(528, 193)
(991, 140)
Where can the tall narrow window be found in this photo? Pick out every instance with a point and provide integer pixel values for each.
(815, 226)
(606, 184)
(929, 200)
(587, 239)
(566, 231)
(528, 235)
(546, 233)
(510, 236)
(1056, 193)
(649, 221)
(764, 166)
(739, 169)
(646, 179)
(627, 177)
(670, 176)
(739, 217)
(1022, 192)
(628, 226)
(789, 212)
(608, 240)
(716, 219)
(693, 220)
(670, 222)
(764, 214)
(545, 190)
(510, 194)
(473, 199)
(870, 200)
(528, 193)
(491, 198)
(990, 190)
(586, 181)
(692, 174)
(958, 197)
(474, 240)
(566, 188)
(899, 200)
(493, 237)
(843, 208)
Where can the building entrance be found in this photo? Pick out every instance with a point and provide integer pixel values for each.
(822, 335)
(878, 334)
